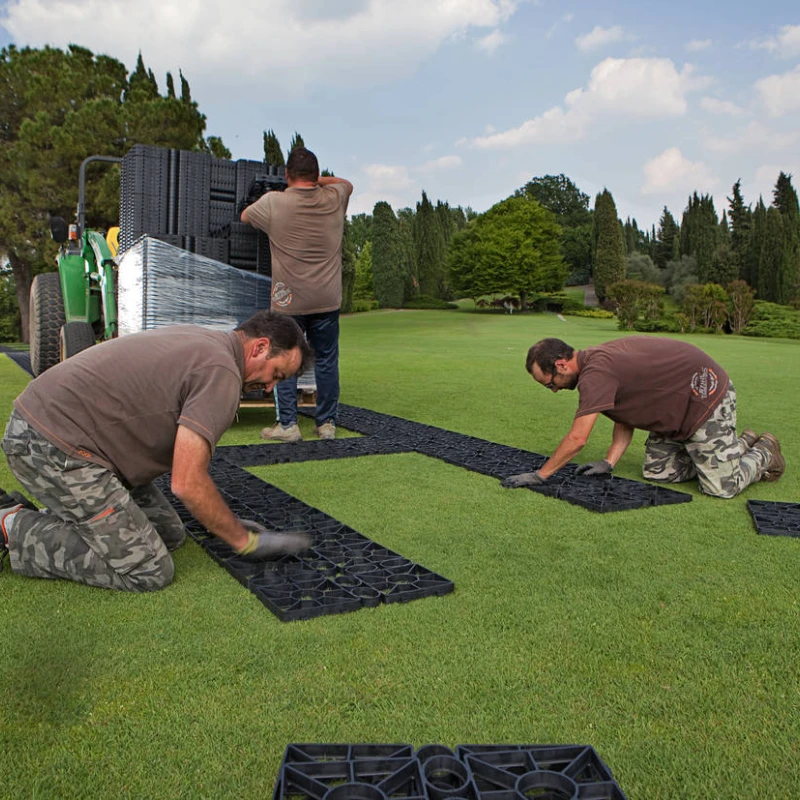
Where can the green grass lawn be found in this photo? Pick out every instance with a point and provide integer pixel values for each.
(667, 638)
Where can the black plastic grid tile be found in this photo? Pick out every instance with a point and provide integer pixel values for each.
(436, 772)
(775, 519)
(499, 461)
(342, 571)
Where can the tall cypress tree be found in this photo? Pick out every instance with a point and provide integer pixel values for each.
(272, 149)
(785, 200)
(741, 220)
(755, 244)
(430, 249)
(609, 251)
(700, 234)
(297, 141)
(771, 261)
(388, 277)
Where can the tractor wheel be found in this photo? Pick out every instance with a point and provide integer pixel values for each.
(46, 319)
(76, 336)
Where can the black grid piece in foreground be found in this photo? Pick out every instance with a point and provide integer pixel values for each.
(342, 571)
(395, 434)
(775, 519)
(20, 357)
(436, 772)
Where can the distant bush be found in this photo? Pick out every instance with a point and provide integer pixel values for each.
(594, 313)
(553, 301)
(424, 301)
(663, 325)
(773, 321)
(360, 305)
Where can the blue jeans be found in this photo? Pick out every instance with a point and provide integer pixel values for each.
(322, 332)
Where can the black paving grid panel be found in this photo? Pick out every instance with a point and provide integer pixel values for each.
(342, 570)
(775, 519)
(436, 772)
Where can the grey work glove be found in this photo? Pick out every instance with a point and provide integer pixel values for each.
(594, 468)
(263, 543)
(523, 479)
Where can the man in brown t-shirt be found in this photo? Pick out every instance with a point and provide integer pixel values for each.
(305, 224)
(671, 389)
(88, 437)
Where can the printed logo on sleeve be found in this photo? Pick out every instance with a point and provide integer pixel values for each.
(281, 295)
(704, 383)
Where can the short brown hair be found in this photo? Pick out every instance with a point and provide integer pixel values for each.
(545, 353)
(302, 165)
(283, 333)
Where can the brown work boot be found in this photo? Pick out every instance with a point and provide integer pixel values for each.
(776, 464)
(749, 437)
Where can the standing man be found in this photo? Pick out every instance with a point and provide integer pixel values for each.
(305, 224)
(88, 437)
(671, 389)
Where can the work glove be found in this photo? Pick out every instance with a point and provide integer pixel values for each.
(594, 468)
(263, 543)
(523, 479)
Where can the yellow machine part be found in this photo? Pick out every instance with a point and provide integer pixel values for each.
(112, 240)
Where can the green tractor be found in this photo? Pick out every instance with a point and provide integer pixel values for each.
(75, 307)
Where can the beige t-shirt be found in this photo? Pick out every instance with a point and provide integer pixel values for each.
(119, 403)
(305, 227)
(653, 384)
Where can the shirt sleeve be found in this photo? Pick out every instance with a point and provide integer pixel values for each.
(260, 212)
(597, 392)
(211, 403)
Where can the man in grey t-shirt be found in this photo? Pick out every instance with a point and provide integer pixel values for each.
(305, 224)
(671, 389)
(88, 437)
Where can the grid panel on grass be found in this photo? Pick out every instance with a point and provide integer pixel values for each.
(436, 772)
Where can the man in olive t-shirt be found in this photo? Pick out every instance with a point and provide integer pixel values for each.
(88, 436)
(305, 224)
(671, 389)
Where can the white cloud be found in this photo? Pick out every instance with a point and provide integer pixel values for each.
(785, 44)
(635, 88)
(491, 42)
(780, 94)
(671, 172)
(753, 138)
(445, 162)
(715, 106)
(567, 18)
(387, 177)
(696, 45)
(599, 37)
(277, 45)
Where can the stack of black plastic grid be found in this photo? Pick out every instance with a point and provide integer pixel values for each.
(436, 772)
(193, 201)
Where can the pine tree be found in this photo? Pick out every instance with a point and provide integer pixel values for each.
(388, 277)
(170, 86)
(273, 154)
(664, 242)
(609, 250)
(186, 94)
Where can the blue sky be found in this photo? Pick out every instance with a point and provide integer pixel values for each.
(469, 99)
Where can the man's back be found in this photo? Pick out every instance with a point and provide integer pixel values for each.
(305, 227)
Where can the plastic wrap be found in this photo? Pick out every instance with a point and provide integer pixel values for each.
(160, 285)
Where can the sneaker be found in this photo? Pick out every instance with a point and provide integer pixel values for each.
(327, 430)
(277, 433)
(776, 464)
(749, 437)
(5, 513)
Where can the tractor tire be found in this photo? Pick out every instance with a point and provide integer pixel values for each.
(76, 336)
(46, 320)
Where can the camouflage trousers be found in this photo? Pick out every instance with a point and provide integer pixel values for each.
(93, 530)
(714, 455)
